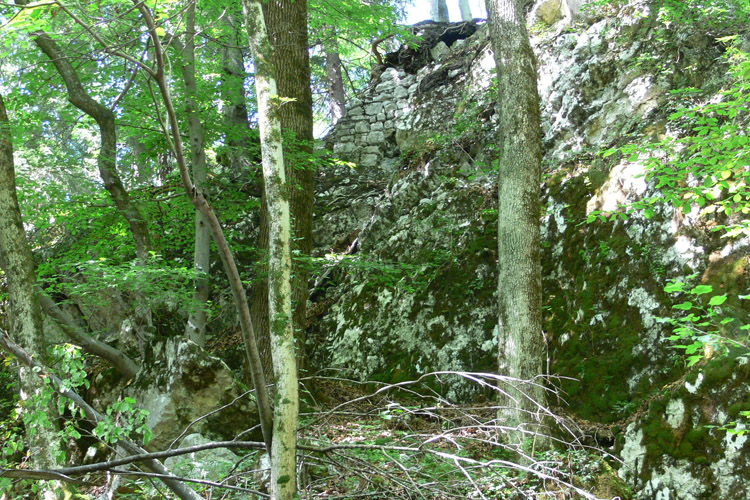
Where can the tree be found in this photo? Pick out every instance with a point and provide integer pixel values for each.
(286, 407)
(107, 158)
(195, 329)
(334, 78)
(465, 10)
(518, 156)
(287, 32)
(439, 11)
(26, 315)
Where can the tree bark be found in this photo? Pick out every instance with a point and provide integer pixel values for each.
(518, 157)
(25, 314)
(334, 78)
(234, 99)
(465, 8)
(195, 329)
(439, 11)
(287, 30)
(278, 195)
(107, 158)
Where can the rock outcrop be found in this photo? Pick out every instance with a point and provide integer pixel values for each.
(409, 228)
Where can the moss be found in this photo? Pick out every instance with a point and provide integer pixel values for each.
(685, 449)
(718, 370)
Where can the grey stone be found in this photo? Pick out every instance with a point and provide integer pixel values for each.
(389, 74)
(400, 92)
(210, 465)
(192, 383)
(362, 127)
(439, 51)
(377, 126)
(369, 160)
(374, 108)
(380, 117)
(375, 137)
(346, 147)
(385, 87)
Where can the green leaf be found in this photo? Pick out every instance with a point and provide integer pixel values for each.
(685, 306)
(676, 286)
(693, 359)
(717, 300)
(702, 289)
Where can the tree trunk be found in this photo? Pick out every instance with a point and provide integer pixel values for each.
(465, 8)
(195, 329)
(234, 99)
(25, 314)
(439, 11)
(334, 78)
(518, 157)
(107, 158)
(287, 30)
(217, 233)
(278, 195)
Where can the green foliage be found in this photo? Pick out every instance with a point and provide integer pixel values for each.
(703, 328)
(123, 419)
(706, 168)
(157, 282)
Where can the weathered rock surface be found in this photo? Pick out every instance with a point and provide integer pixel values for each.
(208, 464)
(419, 294)
(185, 384)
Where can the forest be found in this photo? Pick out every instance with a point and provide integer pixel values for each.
(300, 249)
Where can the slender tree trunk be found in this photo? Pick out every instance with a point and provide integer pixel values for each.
(277, 190)
(235, 100)
(217, 233)
(334, 78)
(439, 11)
(195, 329)
(519, 155)
(25, 314)
(465, 8)
(107, 158)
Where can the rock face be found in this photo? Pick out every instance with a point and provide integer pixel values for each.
(188, 384)
(409, 230)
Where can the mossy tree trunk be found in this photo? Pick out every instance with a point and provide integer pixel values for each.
(287, 32)
(518, 156)
(277, 194)
(25, 313)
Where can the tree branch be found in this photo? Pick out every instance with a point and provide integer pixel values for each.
(172, 482)
(121, 362)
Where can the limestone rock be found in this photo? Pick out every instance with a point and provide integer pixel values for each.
(186, 383)
(210, 464)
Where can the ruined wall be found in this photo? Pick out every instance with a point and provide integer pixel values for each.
(415, 216)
